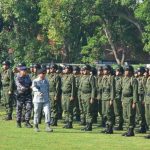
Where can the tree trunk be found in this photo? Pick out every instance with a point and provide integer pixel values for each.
(110, 40)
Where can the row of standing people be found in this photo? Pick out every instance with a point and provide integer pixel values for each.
(119, 99)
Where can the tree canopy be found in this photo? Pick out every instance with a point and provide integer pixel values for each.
(73, 31)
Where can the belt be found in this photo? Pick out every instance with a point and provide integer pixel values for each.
(5, 85)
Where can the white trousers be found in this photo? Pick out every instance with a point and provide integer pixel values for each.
(38, 108)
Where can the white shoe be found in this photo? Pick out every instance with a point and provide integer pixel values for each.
(48, 129)
(36, 129)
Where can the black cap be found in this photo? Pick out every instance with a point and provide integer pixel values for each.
(129, 68)
(87, 67)
(59, 70)
(107, 67)
(42, 70)
(54, 66)
(37, 66)
(23, 68)
(6, 63)
(119, 68)
(69, 67)
(77, 69)
(141, 69)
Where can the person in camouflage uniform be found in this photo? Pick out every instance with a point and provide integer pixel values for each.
(99, 94)
(108, 95)
(7, 81)
(60, 111)
(55, 91)
(82, 116)
(0, 88)
(76, 111)
(117, 102)
(24, 96)
(147, 102)
(68, 95)
(95, 104)
(88, 95)
(129, 100)
(140, 104)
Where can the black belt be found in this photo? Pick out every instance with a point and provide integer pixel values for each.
(5, 85)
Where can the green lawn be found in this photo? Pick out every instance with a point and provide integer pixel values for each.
(12, 138)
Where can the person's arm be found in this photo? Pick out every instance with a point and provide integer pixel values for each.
(135, 90)
(58, 86)
(93, 86)
(11, 83)
(35, 87)
(73, 87)
(112, 96)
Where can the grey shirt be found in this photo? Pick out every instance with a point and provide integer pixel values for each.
(41, 90)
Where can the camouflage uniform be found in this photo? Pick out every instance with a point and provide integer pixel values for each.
(7, 79)
(129, 98)
(24, 98)
(108, 94)
(68, 95)
(88, 92)
(55, 89)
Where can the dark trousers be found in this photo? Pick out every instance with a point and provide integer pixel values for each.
(24, 100)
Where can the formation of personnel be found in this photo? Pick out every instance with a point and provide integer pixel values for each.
(119, 97)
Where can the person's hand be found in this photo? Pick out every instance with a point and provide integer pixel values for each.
(55, 98)
(133, 106)
(71, 98)
(110, 102)
(9, 92)
(91, 100)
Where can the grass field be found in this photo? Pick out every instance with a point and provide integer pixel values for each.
(12, 138)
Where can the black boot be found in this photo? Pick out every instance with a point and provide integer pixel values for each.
(142, 129)
(130, 132)
(110, 130)
(106, 129)
(8, 117)
(88, 127)
(77, 118)
(147, 137)
(69, 125)
(28, 125)
(54, 122)
(119, 128)
(18, 124)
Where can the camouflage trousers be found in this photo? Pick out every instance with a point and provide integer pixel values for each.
(140, 111)
(87, 107)
(108, 113)
(147, 113)
(54, 106)
(129, 114)
(7, 100)
(24, 100)
(118, 112)
(67, 106)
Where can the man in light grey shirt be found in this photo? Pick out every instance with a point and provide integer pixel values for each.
(41, 100)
